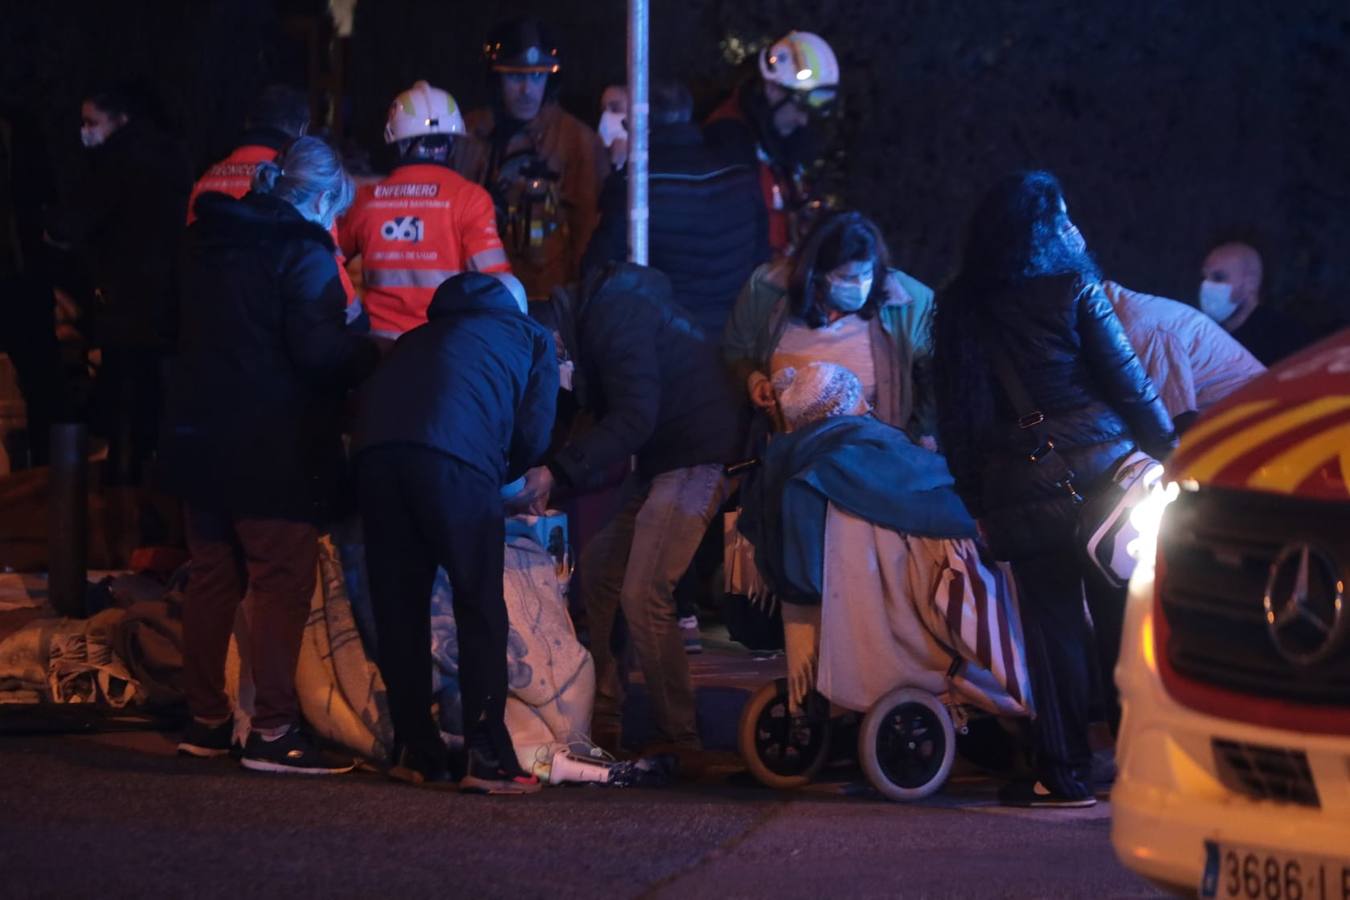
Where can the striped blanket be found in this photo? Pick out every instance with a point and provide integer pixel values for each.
(902, 610)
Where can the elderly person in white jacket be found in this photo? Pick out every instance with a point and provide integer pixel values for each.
(1190, 358)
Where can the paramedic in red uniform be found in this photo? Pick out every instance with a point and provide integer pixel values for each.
(771, 121)
(278, 117)
(424, 223)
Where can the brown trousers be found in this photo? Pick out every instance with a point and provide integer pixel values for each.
(273, 560)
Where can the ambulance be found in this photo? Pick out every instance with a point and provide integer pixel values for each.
(1234, 672)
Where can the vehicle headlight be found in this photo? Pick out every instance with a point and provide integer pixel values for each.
(1146, 519)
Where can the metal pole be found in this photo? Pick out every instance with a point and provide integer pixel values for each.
(67, 531)
(637, 129)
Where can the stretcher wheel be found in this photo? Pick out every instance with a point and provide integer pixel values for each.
(779, 749)
(906, 744)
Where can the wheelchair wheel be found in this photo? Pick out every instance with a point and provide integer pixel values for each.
(779, 749)
(907, 744)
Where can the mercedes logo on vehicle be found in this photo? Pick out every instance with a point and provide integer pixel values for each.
(1305, 605)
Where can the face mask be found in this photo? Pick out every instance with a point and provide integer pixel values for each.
(611, 127)
(565, 375)
(850, 296)
(1216, 300)
(323, 213)
(1073, 239)
(90, 137)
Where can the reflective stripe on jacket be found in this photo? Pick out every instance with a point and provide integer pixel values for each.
(413, 230)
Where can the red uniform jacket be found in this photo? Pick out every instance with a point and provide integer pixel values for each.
(413, 230)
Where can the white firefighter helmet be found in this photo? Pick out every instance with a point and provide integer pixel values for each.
(801, 61)
(422, 110)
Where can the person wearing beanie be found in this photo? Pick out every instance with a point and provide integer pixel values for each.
(816, 391)
(462, 405)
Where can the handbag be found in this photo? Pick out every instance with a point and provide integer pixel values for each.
(1105, 532)
(1104, 524)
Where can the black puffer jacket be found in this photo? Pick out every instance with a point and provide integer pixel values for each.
(1073, 356)
(478, 381)
(650, 380)
(264, 364)
(709, 228)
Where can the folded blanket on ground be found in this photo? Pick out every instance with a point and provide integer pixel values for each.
(67, 661)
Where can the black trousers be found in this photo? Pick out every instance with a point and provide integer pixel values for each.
(422, 509)
(1066, 659)
(128, 400)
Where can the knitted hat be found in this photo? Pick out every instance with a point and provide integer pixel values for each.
(817, 390)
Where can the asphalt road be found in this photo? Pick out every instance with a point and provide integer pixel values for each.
(120, 816)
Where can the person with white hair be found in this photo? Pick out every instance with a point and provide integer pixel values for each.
(252, 440)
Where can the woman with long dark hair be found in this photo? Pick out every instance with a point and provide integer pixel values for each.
(835, 300)
(1028, 293)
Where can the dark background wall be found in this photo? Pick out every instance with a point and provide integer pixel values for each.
(1171, 123)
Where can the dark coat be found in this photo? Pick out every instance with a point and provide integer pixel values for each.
(708, 226)
(265, 362)
(1271, 335)
(1075, 360)
(650, 380)
(125, 219)
(478, 382)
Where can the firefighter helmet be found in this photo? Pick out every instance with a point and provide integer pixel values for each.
(523, 45)
(422, 110)
(802, 62)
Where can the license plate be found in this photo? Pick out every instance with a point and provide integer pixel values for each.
(1256, 873)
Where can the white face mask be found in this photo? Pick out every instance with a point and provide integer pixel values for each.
(1216, 300)
(850, 296)
(611, 127)
(1074, 239)
(321, 212)
(565, 369)
(90, 137)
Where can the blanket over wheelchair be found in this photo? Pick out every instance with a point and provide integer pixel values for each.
(862, 535)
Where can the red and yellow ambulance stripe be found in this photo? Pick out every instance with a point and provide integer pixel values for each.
(1287, 447)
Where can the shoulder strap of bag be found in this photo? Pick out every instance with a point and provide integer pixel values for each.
(1029, 417)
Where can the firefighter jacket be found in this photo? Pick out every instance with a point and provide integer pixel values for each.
(545, 178)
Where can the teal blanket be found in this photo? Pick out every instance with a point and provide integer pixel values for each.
(859, 464)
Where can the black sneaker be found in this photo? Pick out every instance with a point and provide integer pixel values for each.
(1035, 795)
(294, 752)
(208, 741)
(426, 767)
(485, 775)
